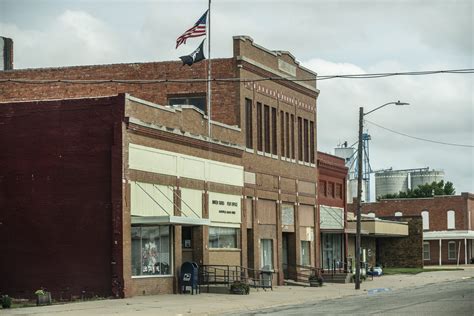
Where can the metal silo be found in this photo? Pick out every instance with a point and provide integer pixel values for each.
(390, 182)
(425, 176)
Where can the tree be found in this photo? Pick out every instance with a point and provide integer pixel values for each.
(423, 191)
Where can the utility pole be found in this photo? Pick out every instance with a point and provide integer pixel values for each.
(359, 197)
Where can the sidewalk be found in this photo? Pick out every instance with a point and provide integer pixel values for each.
(217, 304)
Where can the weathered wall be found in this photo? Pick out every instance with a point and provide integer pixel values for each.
(224, 95)
(402, 252)
(56, 196)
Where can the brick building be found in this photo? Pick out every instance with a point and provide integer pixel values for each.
(332, 177)
(107, 188)
(447, 223)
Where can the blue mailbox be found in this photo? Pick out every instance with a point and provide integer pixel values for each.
(189, 276)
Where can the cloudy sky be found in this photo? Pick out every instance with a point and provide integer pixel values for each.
(329, 37)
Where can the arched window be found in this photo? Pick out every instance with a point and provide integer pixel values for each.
(398, 214)
(371, 214)
(426, 220)
(451, 220)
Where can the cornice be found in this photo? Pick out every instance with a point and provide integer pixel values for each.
(267, 74)
(181, 140)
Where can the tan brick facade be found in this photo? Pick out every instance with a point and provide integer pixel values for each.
(284, 171)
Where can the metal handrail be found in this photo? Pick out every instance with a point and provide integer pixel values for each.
(301, 272)
(227, 274)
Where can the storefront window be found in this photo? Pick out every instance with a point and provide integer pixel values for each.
(151, 250)
(331, 245)
(223, 237)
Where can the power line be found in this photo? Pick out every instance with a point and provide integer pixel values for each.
(240, 80)
(419, 138)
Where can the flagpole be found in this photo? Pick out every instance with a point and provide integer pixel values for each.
(209, 70)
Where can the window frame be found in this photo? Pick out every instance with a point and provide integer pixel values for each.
(188, 97)
(274, 120)
(452, 221)
(452, 250)
(262, 253)
(259, 127)
(426, 258)
(248, 123)
(219, 230)
(170, 251)
(425, 214)
(266, 129)
(305, 244)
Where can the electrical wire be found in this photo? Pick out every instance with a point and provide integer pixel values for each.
(240, 80)
(419, 138)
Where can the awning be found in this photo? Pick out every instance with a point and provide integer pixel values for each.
(381, 228)
(171, 220)
(448, 234)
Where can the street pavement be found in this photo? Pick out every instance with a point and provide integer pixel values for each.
(218, 304)
(446, 298)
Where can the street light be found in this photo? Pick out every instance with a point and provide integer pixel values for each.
(359, 185)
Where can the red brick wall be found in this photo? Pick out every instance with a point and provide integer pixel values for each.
(332, 172)
(225, 103)
(437, 207)
(434, 252)
(55, 196)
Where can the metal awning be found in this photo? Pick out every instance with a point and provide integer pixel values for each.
(170, 220)
(448, 234)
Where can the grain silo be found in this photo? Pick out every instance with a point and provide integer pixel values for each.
(425, 176)
(391, 182)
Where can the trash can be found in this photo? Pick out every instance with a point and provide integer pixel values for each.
(266, 277)
(189, 276)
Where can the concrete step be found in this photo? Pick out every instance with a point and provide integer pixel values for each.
(337, 278)
(296, 283)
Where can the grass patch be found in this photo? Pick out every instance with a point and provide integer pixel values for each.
(391, 271)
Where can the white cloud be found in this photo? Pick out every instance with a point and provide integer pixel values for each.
(73, 38)
(441, 108)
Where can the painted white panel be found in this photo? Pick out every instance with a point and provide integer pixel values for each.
(331, 217)
(191, 203)
(170, 163)
(148, 159)
(224, 173)
(224, 208)
(250, 177)
(192, 168)
(149, 199)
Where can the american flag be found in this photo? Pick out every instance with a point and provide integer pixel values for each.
(198, 29)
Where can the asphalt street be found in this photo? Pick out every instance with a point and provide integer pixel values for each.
(447, 298)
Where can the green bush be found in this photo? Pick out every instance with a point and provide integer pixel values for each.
(6, 301)
(239, 287)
